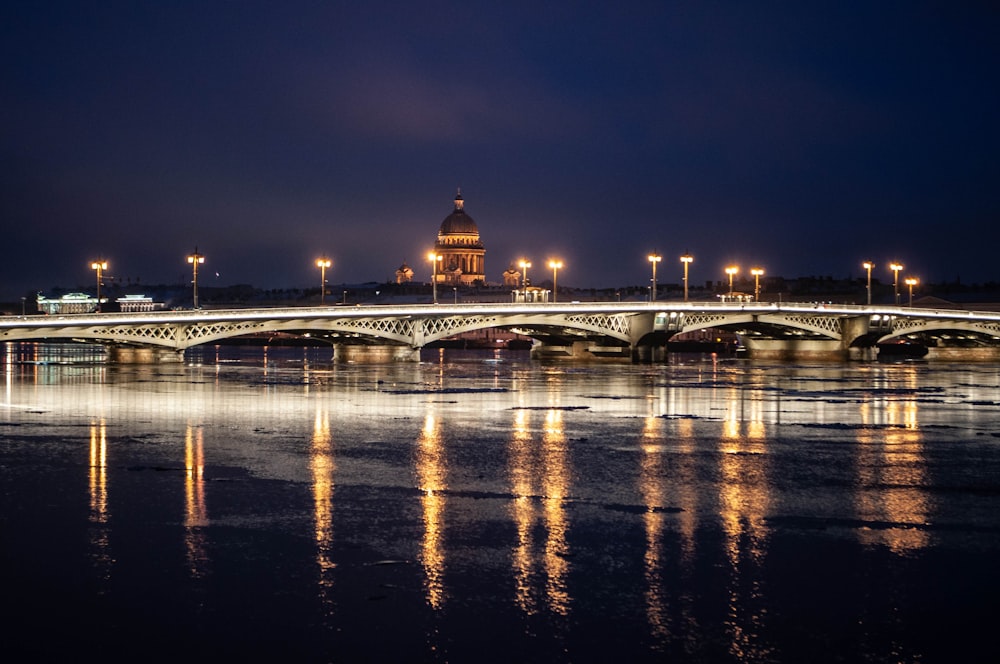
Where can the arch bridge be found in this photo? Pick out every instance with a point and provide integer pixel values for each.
(619, 330)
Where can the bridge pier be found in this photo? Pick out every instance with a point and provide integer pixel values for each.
(795, 349)
(374, 354)
(144, 355)
(862, 353)
(963, 354)
(649, 354)
(581, 351)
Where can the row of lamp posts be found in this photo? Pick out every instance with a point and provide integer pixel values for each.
(195, 259)
(896, 267)
(686, 261)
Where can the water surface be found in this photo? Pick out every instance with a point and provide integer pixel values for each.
(481, 507)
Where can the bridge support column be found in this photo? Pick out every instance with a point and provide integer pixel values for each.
(581, 351)
(857, 329)
(795, 349)
(144, 355)
(970, 354)
(863, 353)
(382, 354)
(649, 354)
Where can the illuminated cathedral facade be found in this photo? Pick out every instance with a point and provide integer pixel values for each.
(462, 254)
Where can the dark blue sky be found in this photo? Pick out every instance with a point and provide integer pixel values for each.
(801, 137)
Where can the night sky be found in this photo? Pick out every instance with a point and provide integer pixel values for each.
(800, 137)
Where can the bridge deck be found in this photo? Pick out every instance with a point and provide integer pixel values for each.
(415, 325)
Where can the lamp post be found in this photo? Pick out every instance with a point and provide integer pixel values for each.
(868, 265)
(686, 259)
(556, 266)
(322, 264)
(731, 270)
(911, 282)
(434, 258)
(756, 272)
(195, 260)
(100, 265)
(524, 265)
(895, 267)
(654, 258)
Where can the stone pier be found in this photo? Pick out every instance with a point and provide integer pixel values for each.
(967, 354)
(581, 351)
(144, 355)
(795, 349)
(374, 354)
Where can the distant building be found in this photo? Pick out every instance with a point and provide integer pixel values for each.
(70, 303)
(132, 303)
(530, 294)
(404, 274)
(511, 277)
(463, 255)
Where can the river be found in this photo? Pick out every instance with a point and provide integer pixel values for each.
(259, 503)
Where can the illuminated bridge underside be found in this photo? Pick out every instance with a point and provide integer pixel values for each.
(776, 325)
(982, 331)
(627, 325)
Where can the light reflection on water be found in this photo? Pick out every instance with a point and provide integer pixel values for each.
(323, 465)
(99, 505)
(432, 480)
(195, 510)
(696, 465)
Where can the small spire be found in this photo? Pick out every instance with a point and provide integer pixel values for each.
(459, 203)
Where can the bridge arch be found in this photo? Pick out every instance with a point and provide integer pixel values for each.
(903, 327)
(823, 326)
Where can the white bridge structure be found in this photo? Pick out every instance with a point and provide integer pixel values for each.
(633, 331)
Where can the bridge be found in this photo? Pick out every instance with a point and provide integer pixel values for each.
(634, 331)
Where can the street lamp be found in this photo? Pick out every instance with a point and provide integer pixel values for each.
(524, 265)
(100, 265)
(687, 259)
(434, 258)
(556, 266)
(731, 270)
(911, 282)
(195, 260)
(756, 272)
(868, 265)
(322, 264)
(895, 267)
(654, 258)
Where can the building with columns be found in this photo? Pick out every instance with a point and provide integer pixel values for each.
(463, 256)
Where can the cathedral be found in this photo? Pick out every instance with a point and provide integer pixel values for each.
(462, 253)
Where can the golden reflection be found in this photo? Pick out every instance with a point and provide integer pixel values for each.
(743, 502)
(651, 486)
(539, 473)
(195, 512)
(98, 472)
(98, 486)
(322, 465)
(555, 488)
(431, 470)
(523, 509)
(892, 476)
